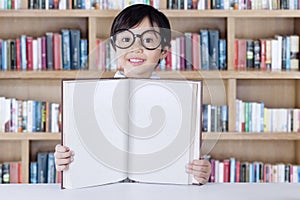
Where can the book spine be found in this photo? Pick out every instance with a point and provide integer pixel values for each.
(84, 53)
(42, 167)
(44, 53)
(66, 49)
(204, 49)
(222, 55)
(18, 54)
(257, 59)
(249, 54)
(33, 172)
(49, 50)
(213, 48)
(29, 53)
(188, 51)
(75, 49)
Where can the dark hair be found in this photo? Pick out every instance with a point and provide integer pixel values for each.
(134, 15)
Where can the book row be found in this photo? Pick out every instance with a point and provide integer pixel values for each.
(233, 4)
(214, 118)
(190, 51)
(43, 170)
(278, 53)
(11, 172)
(171, 4)
(87, 4)
(53, 51)
(10, 4)
(235, 171)
(29, 116)
(255, 117)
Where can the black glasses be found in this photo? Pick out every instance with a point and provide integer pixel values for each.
(125, 38)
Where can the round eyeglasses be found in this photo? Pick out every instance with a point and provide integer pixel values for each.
(125, 38)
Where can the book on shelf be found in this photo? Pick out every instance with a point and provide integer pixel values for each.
(145, 130)
(235, 171)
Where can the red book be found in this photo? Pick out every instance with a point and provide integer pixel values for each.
(58, 177)
(242, 54)
(18, 54)
(169, 61)
(237, 171)
(226, 171)
(196, 51)
(56, 4)
(29, 53)
(263, 54)
(236, 54)
(13, 172)
(20, 180)
(56, 51)
(97, 54)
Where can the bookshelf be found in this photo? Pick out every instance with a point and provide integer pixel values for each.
(276, 89)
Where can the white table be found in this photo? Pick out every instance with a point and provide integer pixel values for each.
(138, 191)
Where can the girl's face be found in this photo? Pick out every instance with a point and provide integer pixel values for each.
(137, 61)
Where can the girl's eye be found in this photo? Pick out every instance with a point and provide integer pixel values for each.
(126, 39)
(148, 40)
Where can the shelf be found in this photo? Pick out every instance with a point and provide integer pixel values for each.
(205, 136)
(170, 13)
(250, 136)
(30, 136)
(163, 74)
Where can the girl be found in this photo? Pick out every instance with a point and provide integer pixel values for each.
(140, 36)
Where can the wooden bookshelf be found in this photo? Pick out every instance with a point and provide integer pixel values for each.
(278, 89)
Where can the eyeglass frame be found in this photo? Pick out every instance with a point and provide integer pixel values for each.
(112, 38)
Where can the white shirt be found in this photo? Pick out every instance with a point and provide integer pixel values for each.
(120, 74)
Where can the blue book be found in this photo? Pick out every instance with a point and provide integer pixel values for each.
(213, 48)
(23, 52)
(222, 55)
(66, 54)
(33, 172)
(42, 167)
(4, 56)
(75, 49)
(38, 116)
(224, 118)
(34, 116)
(205, 117)
(204, 46)
(83, 4)
(51, 172)
(251, 173)
(1, 54)
(232, 170)
(83, 54)
(288, 53)
(257, 172)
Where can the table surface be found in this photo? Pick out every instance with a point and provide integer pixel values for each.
(132, 191)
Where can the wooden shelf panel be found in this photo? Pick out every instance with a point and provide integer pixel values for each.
(250, 136)
(230, 74)
(170, 13)
(205, 136)
(30, 136)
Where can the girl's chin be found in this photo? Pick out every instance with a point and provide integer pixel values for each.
(138, 72)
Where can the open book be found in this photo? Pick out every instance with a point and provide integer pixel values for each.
(142, 130)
